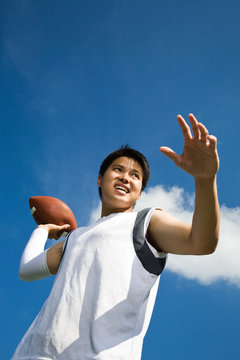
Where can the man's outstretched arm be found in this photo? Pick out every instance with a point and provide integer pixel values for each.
(199, 159)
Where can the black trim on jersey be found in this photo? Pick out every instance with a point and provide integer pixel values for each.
(65, 244)
(149, 261)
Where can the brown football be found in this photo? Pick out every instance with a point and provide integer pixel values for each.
(49, 210)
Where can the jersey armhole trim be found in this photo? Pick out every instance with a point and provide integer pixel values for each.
(150, 262)
(65, 244)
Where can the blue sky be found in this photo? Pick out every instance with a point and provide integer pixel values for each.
(80, 78)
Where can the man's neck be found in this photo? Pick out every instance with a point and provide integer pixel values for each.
(106, 212)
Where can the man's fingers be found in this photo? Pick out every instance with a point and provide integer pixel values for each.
(61, 230)
(57, 231)
(168, 152)
(203, 131)
(65, 226)
(194, 124)
(184, 127)
(212, 141)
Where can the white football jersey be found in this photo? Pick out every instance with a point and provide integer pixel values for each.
(103, 295)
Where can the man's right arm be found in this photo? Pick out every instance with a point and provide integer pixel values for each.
(37, 263)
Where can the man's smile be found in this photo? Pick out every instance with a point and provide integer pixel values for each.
(123, 188)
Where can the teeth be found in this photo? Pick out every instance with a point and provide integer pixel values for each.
(121, 188)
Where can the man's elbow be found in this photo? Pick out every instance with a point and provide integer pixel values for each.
(209, 251)
(22, 276)
(207, 248)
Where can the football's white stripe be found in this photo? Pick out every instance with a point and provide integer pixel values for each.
(33, 209)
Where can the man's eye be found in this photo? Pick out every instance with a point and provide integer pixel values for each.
(136, 176)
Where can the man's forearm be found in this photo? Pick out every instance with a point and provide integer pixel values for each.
(33, 265)
(205, 224)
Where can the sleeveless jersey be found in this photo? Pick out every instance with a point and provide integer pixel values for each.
(103, 295)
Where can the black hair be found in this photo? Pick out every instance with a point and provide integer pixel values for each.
(125, 150)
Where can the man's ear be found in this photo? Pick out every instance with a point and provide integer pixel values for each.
(99, 181)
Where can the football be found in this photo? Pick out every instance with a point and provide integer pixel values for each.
(49, 210)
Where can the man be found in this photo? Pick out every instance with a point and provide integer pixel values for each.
(107, 274)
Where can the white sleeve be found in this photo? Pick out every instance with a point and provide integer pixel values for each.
(33, 265)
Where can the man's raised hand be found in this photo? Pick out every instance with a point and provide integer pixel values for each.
(199, 157)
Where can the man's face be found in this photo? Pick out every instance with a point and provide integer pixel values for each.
(121, 185)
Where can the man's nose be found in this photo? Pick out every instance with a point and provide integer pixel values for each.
(124, 178)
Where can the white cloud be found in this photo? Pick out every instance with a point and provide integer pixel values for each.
(224, 264)
(95, 214)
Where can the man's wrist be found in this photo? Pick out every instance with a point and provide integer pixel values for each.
(43, 227)
(205, 181)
